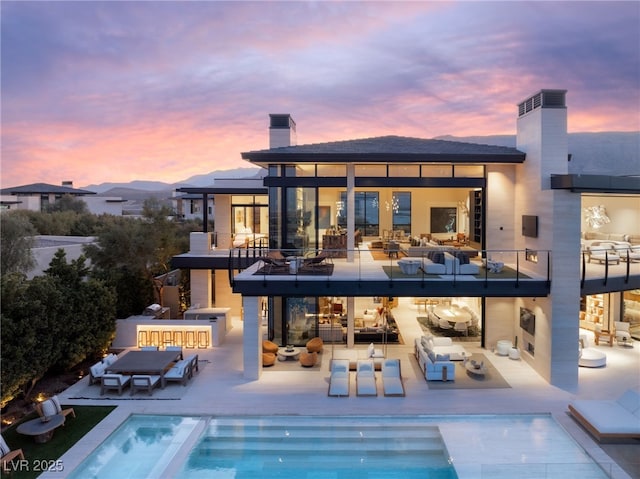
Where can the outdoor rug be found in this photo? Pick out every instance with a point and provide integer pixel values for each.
(173, 391)
(492, 380)
(317, 270)
(294, 365)
(394, 272)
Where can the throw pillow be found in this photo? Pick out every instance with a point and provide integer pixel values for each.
(432, 356)
(430, 343)
(48, 408)
(424, 341)
(371, 350)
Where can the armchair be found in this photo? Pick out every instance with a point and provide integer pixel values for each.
(622, 333)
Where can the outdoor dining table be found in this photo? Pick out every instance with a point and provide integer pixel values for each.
(145, 362)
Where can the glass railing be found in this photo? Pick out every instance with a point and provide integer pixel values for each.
(360, 264)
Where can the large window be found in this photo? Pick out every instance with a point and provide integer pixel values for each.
(402, 211)
(367, 218)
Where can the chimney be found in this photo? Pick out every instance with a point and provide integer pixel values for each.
(282, 130)
(68, 183)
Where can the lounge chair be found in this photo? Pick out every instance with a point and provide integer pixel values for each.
(180, 372)
(114, 381)
(392, 378)
(270, 263)
(339, 379)
(610, 419)
(317, 260)
(144, 382)
(52, 406)
(366, 378)
(623, 336)
(8, 455)
(149, 348)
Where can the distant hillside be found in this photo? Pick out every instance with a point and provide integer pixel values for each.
(207, 179)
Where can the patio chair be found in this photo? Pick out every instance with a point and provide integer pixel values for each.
(317, 260)
(149, 348)
(365, 378)
(174, 348)
(8, 455)
(392, 378)
(51, 407)
(193, 364)
(144, 382)
(96, 372)
(114, 381)
(180, 372)
(339, 379)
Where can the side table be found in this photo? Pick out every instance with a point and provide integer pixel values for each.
(42, 431)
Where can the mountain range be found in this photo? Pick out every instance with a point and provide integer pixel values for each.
(586, 148)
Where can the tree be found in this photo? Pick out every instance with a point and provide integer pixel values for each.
(69, 203)
(16, 241)
(55, 321)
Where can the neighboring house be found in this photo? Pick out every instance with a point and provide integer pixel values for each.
(520, 211)
(46, 246)
(189, 206)
(39, 196)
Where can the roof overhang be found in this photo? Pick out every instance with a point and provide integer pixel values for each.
(224, 191)
(596, 183)
(363, 158)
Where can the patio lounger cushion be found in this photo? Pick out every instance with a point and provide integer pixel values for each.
(610, 419)
(392, 378)
(365, 378)
(339, 379)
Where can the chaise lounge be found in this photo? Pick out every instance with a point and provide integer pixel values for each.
(610, 419)
(339, 379)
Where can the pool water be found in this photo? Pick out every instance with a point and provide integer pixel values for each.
(300, 447)
(319, 447)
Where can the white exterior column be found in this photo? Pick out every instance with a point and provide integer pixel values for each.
(252, 338)
(351, 212)
(201, 286)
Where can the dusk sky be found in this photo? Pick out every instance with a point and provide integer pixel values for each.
(116, 91)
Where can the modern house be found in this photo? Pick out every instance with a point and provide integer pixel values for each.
(525, 240)
(39, 196)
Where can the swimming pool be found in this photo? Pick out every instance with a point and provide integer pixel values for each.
(444, 447)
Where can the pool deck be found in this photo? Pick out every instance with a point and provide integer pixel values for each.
(220, 389)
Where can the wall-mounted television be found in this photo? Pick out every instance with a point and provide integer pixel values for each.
(530, 226)
(528, 320)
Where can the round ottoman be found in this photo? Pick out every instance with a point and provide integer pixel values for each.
(308, 359)
(592, 358)
(502, 347)
(268, 359)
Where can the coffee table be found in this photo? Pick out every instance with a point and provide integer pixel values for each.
(285, 355)
(471, 369)
(42, 431)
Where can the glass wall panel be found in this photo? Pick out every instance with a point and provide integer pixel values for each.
(401, 211)
(301, 320)
(469, 171)
(301, 232)
(370, 170)
(306, 170)
(404, 171)
(332, 170)
(367, 212)
(437, 171)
